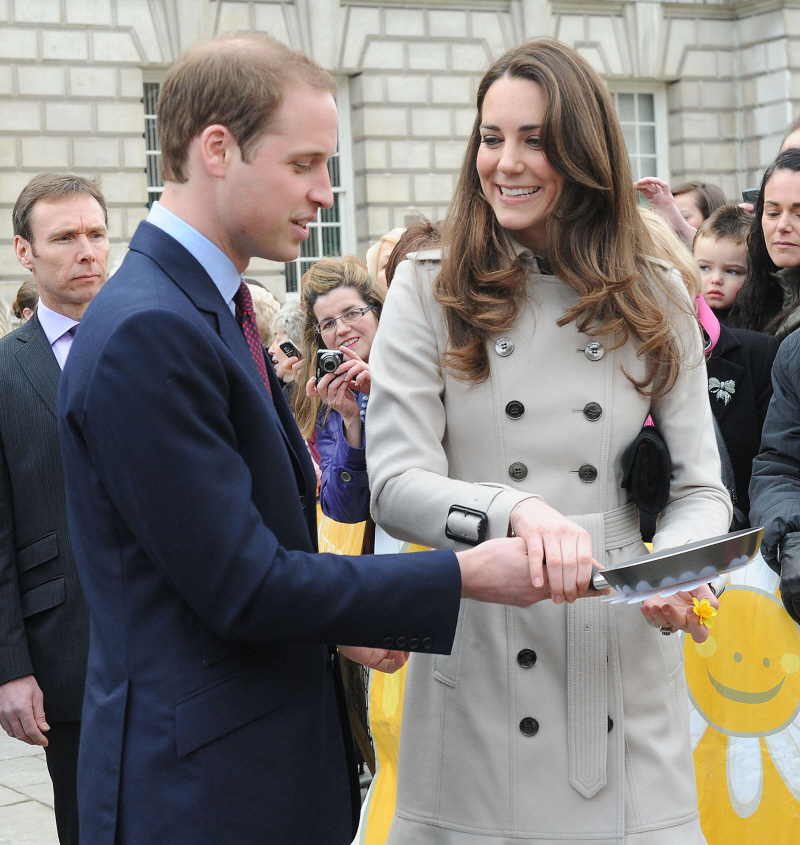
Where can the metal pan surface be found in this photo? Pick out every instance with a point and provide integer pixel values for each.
(701, 561)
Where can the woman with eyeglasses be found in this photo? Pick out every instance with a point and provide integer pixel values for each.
(342, 307)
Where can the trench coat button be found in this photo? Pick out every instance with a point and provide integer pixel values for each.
(594, 351)
(504, 346)
(515, 410)
(345, 475)
(592, 411)
(526, 658)
(413, 643)
(587, 473)
(401, 642)
(388, 642)
(518, 471)
(427, 643)
(610, 724)
(529, 726)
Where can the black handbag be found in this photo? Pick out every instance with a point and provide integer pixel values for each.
(647, 471)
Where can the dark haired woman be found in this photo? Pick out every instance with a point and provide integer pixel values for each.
(769, 299)
(509, 377)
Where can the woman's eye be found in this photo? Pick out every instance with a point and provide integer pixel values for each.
(535, 142)
(490, 140)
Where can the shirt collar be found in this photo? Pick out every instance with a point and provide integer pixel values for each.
(54, 325)
(219, 267)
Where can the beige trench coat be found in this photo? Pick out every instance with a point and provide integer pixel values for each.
(549, 724)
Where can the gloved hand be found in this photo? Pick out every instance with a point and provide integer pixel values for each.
(790, 574)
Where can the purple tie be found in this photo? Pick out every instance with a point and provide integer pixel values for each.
(246, 318)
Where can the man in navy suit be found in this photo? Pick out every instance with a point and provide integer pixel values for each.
(213, 709)
(60, 236)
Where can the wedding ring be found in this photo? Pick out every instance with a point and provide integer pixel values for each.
(667, 631)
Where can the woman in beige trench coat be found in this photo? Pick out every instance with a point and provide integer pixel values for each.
(510, 373)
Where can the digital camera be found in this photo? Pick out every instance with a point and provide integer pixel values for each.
(328, 361)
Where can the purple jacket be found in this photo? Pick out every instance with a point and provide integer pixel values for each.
(344, 488)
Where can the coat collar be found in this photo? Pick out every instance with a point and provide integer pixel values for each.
(38, 362)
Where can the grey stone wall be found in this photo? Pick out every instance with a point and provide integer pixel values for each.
(71, 74)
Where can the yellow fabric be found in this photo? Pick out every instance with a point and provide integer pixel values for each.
(338, 537)
(744, 685)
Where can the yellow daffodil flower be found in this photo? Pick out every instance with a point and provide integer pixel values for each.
(704, 611)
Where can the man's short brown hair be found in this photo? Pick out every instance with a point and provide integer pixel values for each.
(51, 187)
(238, 81)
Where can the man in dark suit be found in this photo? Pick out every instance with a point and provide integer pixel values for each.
(60, 236)
(213, 709)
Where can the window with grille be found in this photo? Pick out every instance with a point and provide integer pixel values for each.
(643, 116)
(155, 184)
(333, 232)
(324, 233)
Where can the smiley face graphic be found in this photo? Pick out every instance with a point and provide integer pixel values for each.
(745, 678)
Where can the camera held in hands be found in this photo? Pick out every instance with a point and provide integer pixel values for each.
(328, 361)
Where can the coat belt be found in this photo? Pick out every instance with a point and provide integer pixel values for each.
(587, 657)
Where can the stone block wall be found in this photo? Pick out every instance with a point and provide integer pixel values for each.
(71, 77)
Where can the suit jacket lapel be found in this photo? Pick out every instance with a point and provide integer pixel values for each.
(190, 276)
(38, 362)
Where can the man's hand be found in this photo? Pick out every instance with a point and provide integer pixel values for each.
(790, 574)
(22, 710)
(379, 659)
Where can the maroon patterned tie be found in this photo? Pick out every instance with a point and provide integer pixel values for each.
(246, 318)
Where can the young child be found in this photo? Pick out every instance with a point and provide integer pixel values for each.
(720, 249)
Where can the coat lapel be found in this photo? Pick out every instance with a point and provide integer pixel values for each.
(37, 361)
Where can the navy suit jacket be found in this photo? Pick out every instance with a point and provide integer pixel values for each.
(211, 712)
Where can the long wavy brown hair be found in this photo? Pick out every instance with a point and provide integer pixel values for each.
(321, 278)
(598, 243)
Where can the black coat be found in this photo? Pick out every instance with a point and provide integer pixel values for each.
(744, 358)
(44, 623)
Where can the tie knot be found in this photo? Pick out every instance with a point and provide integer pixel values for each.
(243, 299)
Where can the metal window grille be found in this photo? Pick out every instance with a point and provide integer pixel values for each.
(325, 233)
(637, 115)
(155, 184)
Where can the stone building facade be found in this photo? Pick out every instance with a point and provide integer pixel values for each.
(707, 87)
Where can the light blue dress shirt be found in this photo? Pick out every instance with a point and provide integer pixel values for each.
(213, 260)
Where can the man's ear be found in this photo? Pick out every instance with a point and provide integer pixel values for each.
(217, 148)
(24, 252)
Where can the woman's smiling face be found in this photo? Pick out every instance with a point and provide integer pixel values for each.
(357, 336)
(516, 179)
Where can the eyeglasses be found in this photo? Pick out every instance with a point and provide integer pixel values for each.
(351, 316)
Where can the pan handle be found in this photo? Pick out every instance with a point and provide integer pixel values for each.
(598, 582)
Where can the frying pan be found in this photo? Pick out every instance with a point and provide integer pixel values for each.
(669, 568)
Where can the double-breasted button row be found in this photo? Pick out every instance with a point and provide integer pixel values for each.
(403, 643)
(504, 346)
(514, 410)
(518, 471)
(529, 726)
(593, 351)
(526, 658)
(592, 411)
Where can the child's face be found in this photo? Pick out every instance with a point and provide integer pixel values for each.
(723, 264)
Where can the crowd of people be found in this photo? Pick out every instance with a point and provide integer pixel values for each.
(475, 387)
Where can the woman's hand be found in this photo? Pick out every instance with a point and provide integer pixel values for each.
(560, 543)
(380, 659)
(677, 612)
